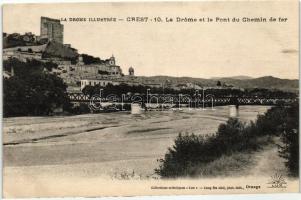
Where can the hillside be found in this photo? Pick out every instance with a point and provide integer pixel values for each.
(55, 49)
(268, 82)
(234, 77)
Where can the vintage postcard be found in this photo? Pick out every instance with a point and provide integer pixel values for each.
(150, 98)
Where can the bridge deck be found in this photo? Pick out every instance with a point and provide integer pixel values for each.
(176, 99)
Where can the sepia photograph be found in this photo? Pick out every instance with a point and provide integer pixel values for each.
(150, 98)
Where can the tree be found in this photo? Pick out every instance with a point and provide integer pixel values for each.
(290, 138)
(89, 90)
(32, 91)
(31, 66)
(87, 59)
(218, 83)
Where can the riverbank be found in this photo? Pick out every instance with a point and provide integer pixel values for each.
(107, 144)
(264, 162)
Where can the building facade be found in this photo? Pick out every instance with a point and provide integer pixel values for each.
(94, 82)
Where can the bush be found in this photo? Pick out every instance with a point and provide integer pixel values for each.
(191, 150)
(270, 123)
(290, 138)
(80, 109)
(283, 121)
(187, 151)
(290, 151)
(230, 136)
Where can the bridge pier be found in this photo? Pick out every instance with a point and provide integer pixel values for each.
(233, 111)
(136, 108)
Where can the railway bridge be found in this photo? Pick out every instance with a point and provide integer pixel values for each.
(182, 99)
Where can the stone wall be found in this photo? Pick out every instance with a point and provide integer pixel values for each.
(23, 56)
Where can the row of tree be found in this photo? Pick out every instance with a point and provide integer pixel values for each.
(226, 92)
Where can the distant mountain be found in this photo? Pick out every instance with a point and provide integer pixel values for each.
(234, 77)
(268, 82)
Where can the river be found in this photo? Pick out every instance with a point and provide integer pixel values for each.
(103, 145)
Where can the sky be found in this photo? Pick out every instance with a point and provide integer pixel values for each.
(202, 50)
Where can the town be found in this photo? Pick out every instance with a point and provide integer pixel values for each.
(64, 107)
(85, 74)
(80, 70)
(150, 106)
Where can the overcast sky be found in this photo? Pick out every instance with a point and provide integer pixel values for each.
(177, 49)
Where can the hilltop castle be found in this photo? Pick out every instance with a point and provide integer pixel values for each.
(77, 70)
(49, 46)
(52, 29)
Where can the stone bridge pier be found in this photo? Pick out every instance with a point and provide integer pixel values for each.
(234, 107)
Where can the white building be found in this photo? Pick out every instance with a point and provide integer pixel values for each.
(93, 82)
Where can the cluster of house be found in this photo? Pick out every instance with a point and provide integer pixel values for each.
(49, 46)
(77, 70)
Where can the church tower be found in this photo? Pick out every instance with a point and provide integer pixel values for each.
(131, 71)
(112, 60)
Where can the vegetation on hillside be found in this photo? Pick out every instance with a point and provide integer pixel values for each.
(58, 50)
(191, 152)
(88, 59)
(16, 39)
(32, 90)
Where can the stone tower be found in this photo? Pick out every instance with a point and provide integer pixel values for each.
(112, 60)
(131, 71)
(52, 29)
